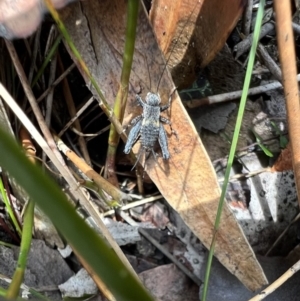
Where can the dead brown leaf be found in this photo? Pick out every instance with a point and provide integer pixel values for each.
(187, 180)
(192, 32)
(155, 214)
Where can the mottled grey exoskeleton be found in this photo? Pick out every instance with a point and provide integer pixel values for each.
(148, 126)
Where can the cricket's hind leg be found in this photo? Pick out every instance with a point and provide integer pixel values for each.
(163, 142)
(133, 134)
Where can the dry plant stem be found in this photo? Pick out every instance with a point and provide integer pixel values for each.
(115, 193)
(286, 46)
(248, 175)
(161, 248)
(56, 82)
(92, 136)
(36, 110)
(245, 45)
(86, 105)
(247, 18)
(49, 100)
(72, 111)
(33, 57)
(194, 103)
(77, 193)
(75, 190)
(34, 54)
(277, 283)
(51, 38)
(269, 62)
(74, 130)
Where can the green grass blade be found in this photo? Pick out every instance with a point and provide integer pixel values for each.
(234, 141)
(47, 195)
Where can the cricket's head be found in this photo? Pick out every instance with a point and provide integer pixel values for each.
(152, 99)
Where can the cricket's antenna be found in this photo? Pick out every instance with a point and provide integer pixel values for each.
(173, 47)
(148, 74)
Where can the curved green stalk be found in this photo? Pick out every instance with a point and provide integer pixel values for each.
(121, 98)
(234, 142)
(14, 288)
(48, 196)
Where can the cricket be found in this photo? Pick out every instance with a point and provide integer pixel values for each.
(149, 126)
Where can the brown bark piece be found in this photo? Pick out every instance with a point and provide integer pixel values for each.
(284, 161)
(187, 180)
(192, 32)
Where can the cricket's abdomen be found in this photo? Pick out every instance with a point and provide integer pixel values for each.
(149, 133)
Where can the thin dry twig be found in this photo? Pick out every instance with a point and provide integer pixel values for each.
(72, 111)
(134, 204)
(245, 45)
(269, 62)
(34, 54)
(49, 100)
(247, 18)
(233, 95)
(55, 83)
(115, 193)
(36, 110)
(76, 116)
(271, 288)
